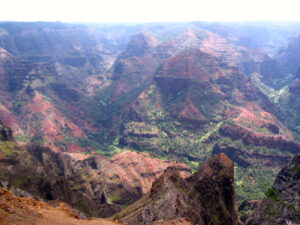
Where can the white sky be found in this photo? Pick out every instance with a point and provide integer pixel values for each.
(149, 10)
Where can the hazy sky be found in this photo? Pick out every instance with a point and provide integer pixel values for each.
(149, 10)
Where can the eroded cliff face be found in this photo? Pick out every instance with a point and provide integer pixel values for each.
(207, 197)
(95, 185)
(182, 93)
(16, 210)
(200, 100)
(282, 203)
(141, 170)
(50, 74)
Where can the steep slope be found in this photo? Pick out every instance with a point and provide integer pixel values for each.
(95, 185)
(73, 44)
(288, 95)
(197, 100)
(49, 74)
(289, 103)
(288, 57)
(267, 36)
(282, 203)
(15, 210)
(181, 93)
(207, 197)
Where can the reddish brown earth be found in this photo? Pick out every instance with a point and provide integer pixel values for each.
(95, 184)
(10, 120)
(134, 65)
(192, 113)
(191, 64)
(259, 139)
(16, 210)
(206, 197)
(180, 221)
(45, 118)
(140, 169)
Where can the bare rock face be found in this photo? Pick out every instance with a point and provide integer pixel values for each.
(93, 184)
(140, 170)
(283, 200)
(5, 133)
(207, 197)
(214, 190)
(15, 210)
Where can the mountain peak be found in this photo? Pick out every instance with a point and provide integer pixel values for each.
(139, 45)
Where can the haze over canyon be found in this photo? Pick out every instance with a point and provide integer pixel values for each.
(154, 123)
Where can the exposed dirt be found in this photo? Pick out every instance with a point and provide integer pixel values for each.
(15, 210)
(25, 211)
(132, 167)
(180, 221)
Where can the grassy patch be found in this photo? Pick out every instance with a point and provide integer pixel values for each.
(114, 197)
(272, 194)
(7, 149)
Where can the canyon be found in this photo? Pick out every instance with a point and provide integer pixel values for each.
(99, 112)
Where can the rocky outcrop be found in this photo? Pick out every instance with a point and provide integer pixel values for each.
(207, 197)
(140, 170)
(81, 88)
(5, 133)
(16, 210)
(281, 205)
(94, 185)
(290, 104)
(246, 158)
(288, 57)
(249, 137)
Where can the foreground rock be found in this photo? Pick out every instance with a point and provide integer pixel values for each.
(15, 210)
(207, 197)
(93, 184)
(282, 205)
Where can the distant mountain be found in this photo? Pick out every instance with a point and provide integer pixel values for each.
(181, 91)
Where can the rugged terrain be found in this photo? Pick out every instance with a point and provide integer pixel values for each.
(282, 203)
(95, 185)
(199, 103)
(81, 100)
(26, 211)
(207, 197)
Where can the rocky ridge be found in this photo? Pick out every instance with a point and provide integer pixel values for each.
(181, 92)
(207, 197)
(95, 185)
(282, 203)
(16, 210)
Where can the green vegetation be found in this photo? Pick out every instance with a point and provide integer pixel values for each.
(209, 133)
(109, 150)
(93, 145)
(296, 168)
(253, 183)
(272, 194)
(22, 138)
(114, 197)
(8, 149)
(272, 93)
